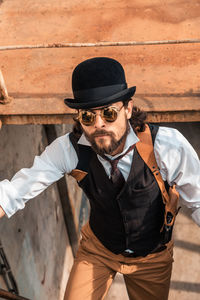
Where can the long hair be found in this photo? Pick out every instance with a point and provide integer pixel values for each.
(137, 121)
(77, 129)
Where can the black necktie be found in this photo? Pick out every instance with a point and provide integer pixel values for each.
(116, 176)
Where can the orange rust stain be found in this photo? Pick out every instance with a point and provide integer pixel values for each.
(154, 69)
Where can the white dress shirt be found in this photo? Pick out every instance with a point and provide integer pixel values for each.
(177, 160)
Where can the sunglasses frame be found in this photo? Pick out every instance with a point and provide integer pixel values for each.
(102, 110)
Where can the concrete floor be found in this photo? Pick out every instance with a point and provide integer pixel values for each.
(185, 283)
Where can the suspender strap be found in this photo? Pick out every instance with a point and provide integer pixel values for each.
(146, 151)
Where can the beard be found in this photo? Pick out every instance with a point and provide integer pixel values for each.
(102, 149)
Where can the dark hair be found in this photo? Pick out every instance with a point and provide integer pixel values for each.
(137, 121)
(77, 129)
(138, 118)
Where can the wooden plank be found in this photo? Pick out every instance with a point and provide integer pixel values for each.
(154, 69)
(35, 106)
(170, 117)
(56, 106)
(154, 117)
(54, 111)
(36, 120)
(167, 76)
(8, 295)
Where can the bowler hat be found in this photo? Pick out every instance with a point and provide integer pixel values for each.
(98, 81)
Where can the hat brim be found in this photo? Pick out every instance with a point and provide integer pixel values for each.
(121, 96)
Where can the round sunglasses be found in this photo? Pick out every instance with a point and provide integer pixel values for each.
(87, 117)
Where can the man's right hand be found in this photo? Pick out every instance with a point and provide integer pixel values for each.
(2, 212)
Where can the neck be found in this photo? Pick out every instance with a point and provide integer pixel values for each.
(119, 149)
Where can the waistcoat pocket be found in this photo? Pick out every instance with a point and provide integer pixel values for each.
(145, 196)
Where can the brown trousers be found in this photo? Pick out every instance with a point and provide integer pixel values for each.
(146, 278)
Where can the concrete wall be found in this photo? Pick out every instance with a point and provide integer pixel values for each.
(34, 239)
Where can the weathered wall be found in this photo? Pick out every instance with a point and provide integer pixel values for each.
(34, 239)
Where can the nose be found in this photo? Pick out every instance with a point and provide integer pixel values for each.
(99, 122)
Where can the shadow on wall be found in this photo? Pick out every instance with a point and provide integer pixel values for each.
(185, 286)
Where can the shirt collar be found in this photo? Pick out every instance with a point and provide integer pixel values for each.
(130, 140)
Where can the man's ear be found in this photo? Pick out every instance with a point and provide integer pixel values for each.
(129, 109)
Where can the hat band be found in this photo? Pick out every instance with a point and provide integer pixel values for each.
(99, 92)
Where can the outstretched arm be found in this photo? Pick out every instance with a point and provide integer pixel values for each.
(179, 164)
(57, 159)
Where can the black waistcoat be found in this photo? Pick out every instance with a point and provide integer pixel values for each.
(129, 219)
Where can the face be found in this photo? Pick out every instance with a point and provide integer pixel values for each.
(109, 137)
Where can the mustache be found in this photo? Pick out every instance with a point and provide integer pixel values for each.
(102, 132)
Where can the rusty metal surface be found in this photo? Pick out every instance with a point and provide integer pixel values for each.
(165, 117)
(55, 105)
(52, 110)
(159, 71)
(99, 44)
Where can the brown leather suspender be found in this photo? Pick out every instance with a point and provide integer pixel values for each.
(170, 199)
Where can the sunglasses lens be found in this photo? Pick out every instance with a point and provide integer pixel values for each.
(87, 117)
(109, 114)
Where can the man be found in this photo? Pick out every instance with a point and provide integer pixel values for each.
(125, 229)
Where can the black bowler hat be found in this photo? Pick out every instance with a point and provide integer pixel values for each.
(98, 81)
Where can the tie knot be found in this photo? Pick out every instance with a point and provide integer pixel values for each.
(114, 162)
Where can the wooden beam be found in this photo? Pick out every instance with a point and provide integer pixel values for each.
(100, 44)
(8, 295)
(36, 119)
(176, 116)
(52, 110)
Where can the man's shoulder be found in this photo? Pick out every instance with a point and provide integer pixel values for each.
(166, 132)
(62, 142)
(170, 137)
(63, 138)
